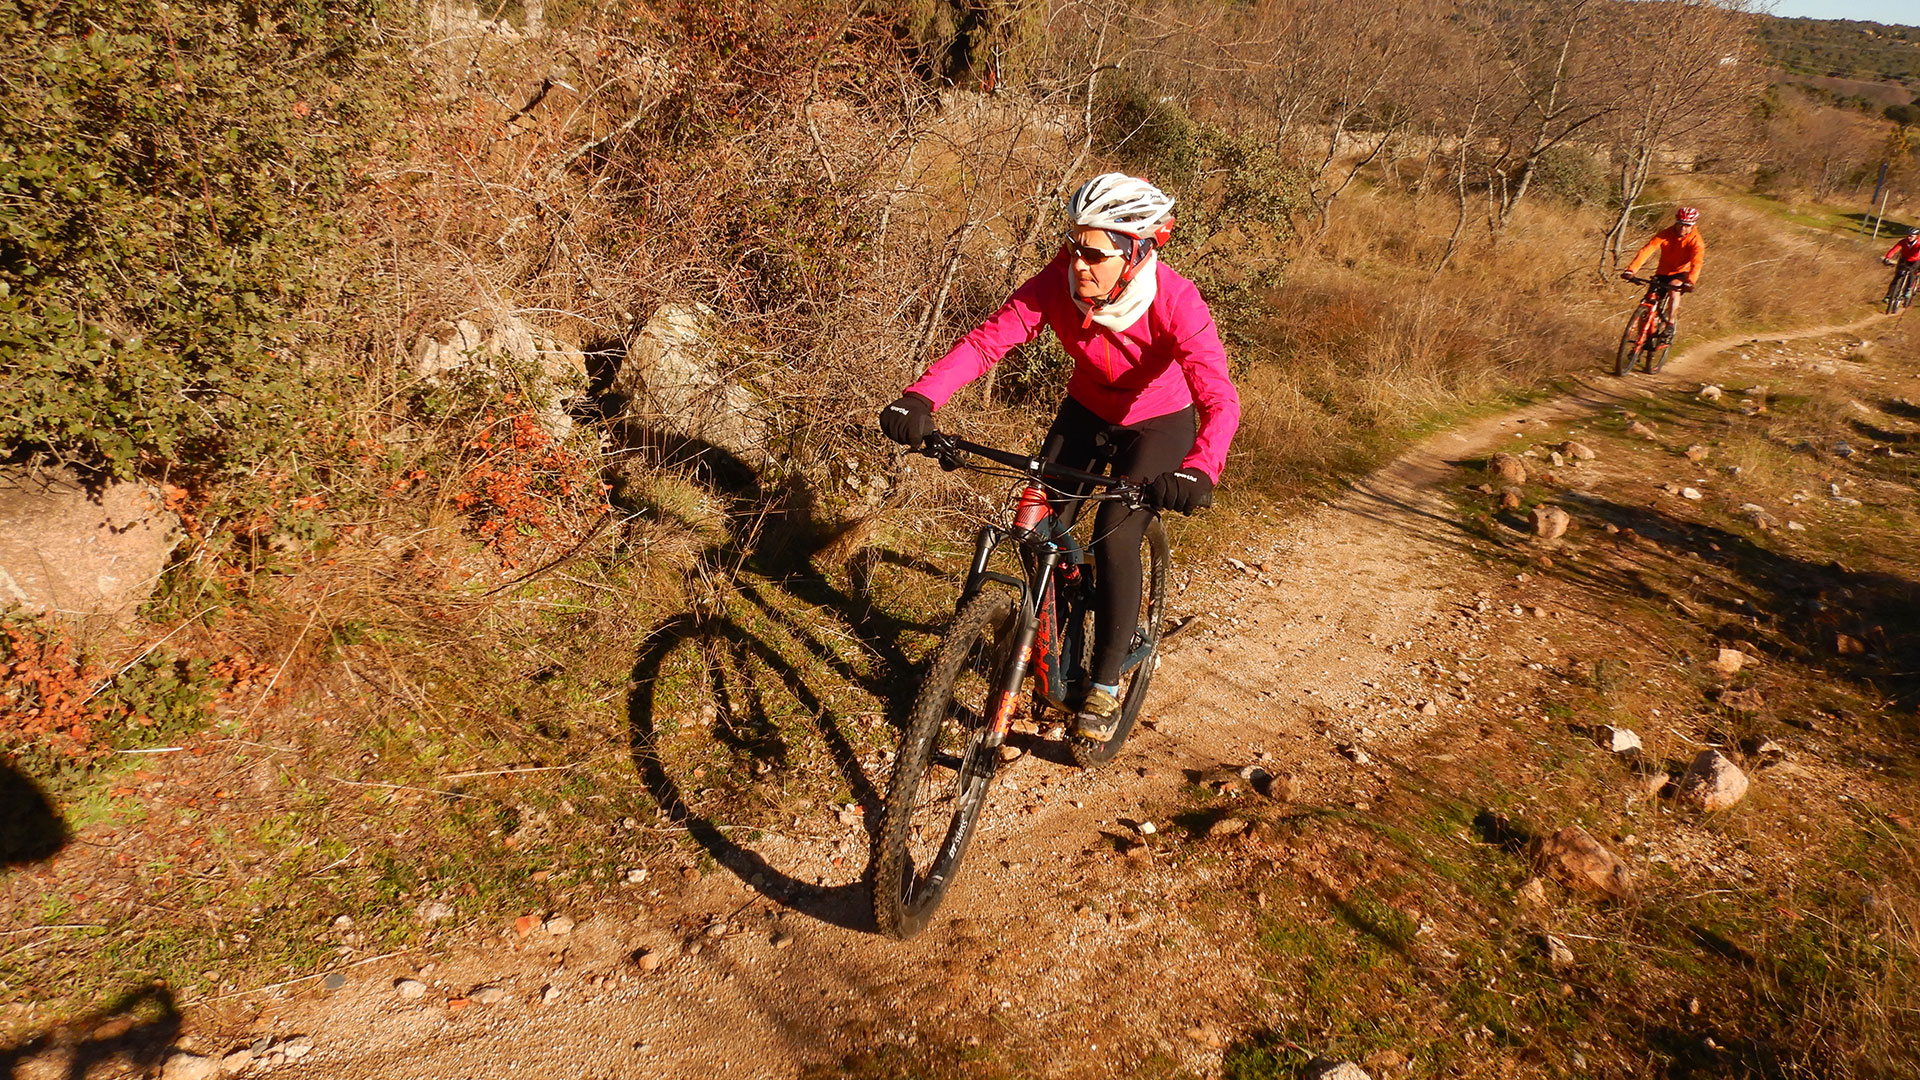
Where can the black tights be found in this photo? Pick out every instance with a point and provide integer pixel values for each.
(1138, 452)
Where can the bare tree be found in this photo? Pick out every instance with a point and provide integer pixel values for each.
(1686, 71)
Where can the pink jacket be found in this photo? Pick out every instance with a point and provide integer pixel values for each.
(1169, 359)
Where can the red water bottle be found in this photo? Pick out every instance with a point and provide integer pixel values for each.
(1031, 510)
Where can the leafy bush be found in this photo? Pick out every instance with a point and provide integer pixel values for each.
(1574, 176)
(168, 172)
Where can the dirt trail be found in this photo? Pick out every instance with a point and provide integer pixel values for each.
(1280, 669)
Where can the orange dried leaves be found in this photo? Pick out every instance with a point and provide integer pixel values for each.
(521, 481)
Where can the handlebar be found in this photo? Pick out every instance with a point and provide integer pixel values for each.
(948, 448)
(1650, 282)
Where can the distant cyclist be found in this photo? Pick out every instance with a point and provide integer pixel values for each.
(1904, 257)
(1904, 253)
(1149, 391)
(1681, 253)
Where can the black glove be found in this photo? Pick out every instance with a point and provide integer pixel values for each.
(1183, 491)
(1626, 275)
(909, 420)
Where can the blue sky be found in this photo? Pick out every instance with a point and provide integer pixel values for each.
(1881, 11)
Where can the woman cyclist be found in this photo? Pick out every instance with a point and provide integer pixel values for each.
(1149, 391)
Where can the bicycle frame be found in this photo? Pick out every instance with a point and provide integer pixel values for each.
(1051, 556)
(1657, 292)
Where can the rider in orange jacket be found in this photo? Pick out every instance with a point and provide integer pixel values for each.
(1681, 253)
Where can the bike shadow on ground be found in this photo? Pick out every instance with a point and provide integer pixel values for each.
(134, 1033)
(742, 724)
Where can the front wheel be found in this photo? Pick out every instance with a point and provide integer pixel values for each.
(942, 769)
(1639, 325)
(1144, 645)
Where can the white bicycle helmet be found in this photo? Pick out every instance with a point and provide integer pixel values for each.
(1120, 203)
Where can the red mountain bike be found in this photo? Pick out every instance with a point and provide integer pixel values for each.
(1006, 628)
(1650, 329)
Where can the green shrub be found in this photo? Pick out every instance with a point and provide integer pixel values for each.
(168, 178)
(1574, 177)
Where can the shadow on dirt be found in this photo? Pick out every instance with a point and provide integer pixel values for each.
(1861, 626)
(773, 639)
(30, 828)
(134, 1033)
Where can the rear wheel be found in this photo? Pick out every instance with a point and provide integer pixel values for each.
(1659, 337)
(941, 772)
(1088, 753)
(1631, 339)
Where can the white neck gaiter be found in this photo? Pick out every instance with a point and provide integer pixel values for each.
(1133, 302)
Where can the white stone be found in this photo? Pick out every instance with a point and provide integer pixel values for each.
(1336, 1070)
(185, 1066)
(1712, 782)
(1619, 740)
(559, 925)
(410, 989)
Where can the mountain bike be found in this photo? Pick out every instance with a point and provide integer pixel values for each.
(1006, 628)
(1650, 329)
(1900, 290)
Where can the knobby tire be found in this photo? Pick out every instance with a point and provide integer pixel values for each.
(1638, 326)
(932, 803)
(1655, 350)
(1088, 753)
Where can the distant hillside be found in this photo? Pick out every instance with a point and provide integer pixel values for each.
(1844, 49)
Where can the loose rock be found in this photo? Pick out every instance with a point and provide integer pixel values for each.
(489, 995)
(1696, 452)
(1559, 957)
(1577, 451)
(1710, 393)
(237, 1061)
(410, 989)
(296, 1048)
(1510, 499)
(185, 1066)
(1618, 740)
(1730, 661)
(1532, 891)
(1550, 522)
(1275, 786)
(1640, 429)
(559, 926)
(1508, 468)
(1712, 782)
(1227, 826)
(1577, 860)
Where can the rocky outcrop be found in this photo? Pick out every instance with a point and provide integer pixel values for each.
(81, 554)
(551, 371)
(677, 379)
